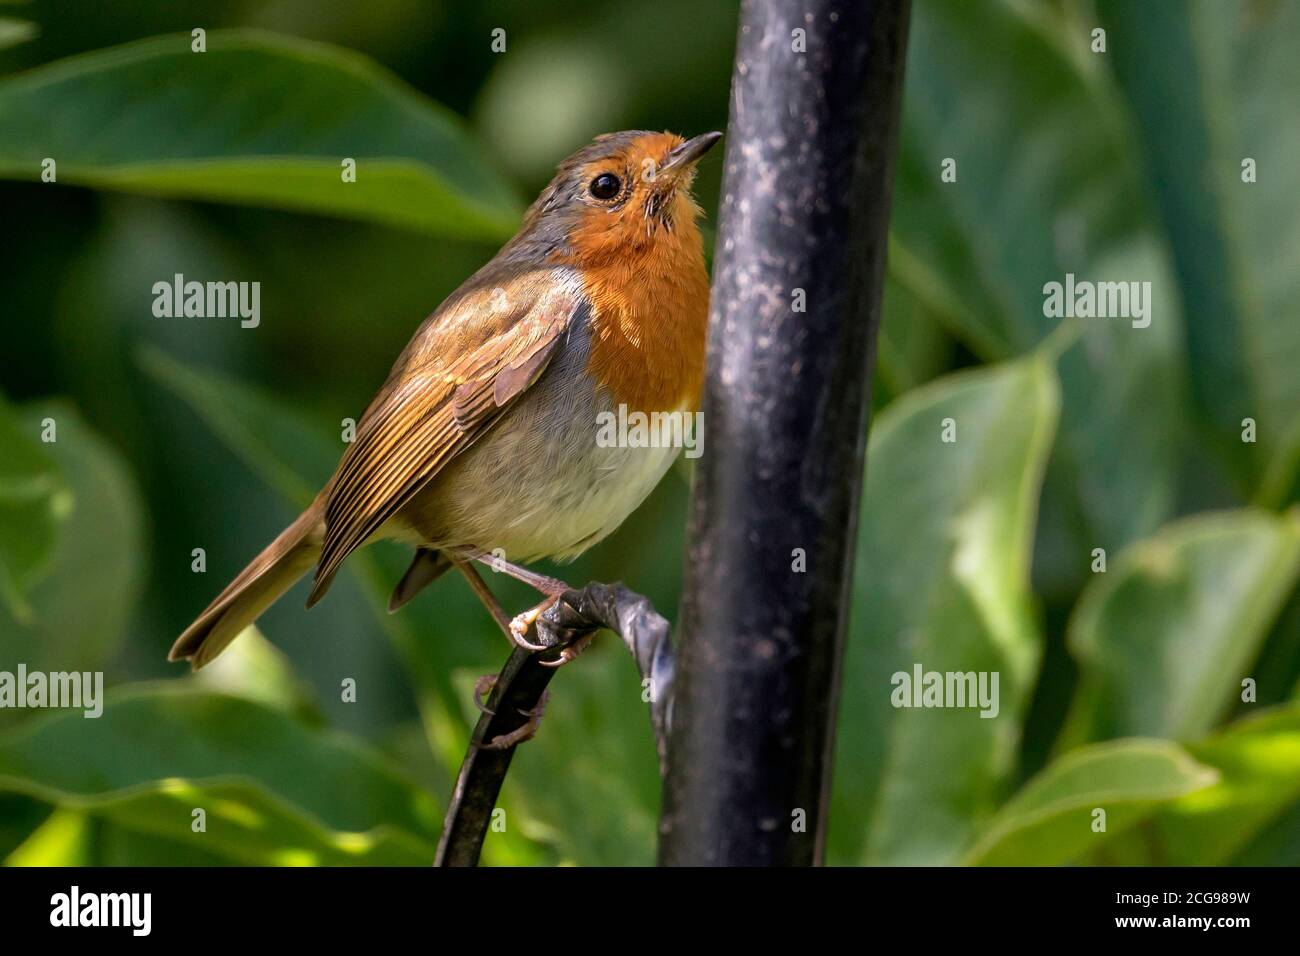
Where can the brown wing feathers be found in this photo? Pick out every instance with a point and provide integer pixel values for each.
(432, 410)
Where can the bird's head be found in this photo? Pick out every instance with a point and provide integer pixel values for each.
(624, 193)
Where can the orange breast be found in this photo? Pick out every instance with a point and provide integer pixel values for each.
(648, 332)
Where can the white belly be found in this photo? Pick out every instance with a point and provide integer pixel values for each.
(540, 484)
(561, 512)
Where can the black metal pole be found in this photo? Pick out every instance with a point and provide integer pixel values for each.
(795, 308)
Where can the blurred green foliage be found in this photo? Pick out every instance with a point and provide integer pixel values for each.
(1120, 689)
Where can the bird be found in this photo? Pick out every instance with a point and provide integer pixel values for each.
(480, 446)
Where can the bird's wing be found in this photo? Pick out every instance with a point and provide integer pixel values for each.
(461, 371)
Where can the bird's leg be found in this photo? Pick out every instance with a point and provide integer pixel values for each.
(484, 594)
(518, 628)
(485, 683)
(538, 582)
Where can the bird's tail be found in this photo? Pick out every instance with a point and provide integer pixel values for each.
(257, 587)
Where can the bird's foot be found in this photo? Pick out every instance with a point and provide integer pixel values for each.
(483, 686)
(553, 621)
(527, 621)
(569, 651)
(525, 731)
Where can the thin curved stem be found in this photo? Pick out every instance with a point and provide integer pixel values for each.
(519, 689)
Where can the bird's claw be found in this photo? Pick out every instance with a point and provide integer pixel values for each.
(563, 643)
(569, 652)
(523, 732)
(525, 622)
(483, 686)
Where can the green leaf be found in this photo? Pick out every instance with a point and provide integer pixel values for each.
(941, 581)
(116, 845)
(291, 454)
(1250, 816)
(273, 790)
(1243, 817)
(258, 119)
(20, 817)
(1021, 169)
(912, 347)
(1277, 844)
(1051, 820)
(64, 838)
(32, 501)
(1208, 82)
(14, 32)
(1166, 635)
(254, 668)
(82, 604)
(1045, 186)
(79, 838)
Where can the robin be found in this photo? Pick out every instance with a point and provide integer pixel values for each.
(481, 445)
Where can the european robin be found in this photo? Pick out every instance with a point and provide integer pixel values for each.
(482, 441)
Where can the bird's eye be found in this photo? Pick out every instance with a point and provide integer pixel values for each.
(605, 186)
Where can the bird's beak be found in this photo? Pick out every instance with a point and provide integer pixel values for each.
(686, 155)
